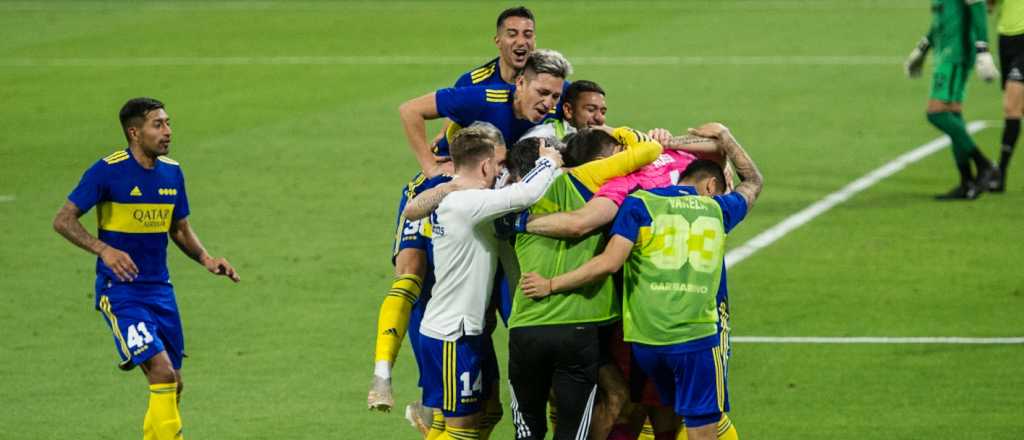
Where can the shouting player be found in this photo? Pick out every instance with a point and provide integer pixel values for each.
(141, 201)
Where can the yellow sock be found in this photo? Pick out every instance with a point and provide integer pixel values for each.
(163, 411)
(682, 432)
(726, 430)
(147, 428)
(647, 432)
(462, 433)
(394, 316)
(436, 426)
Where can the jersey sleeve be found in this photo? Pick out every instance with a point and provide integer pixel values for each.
(630, 218)
(640, 150)
(734, 209)
(461, 105)
(465, 80)
(976, 9)
(181, 209)
(92, 188)
(491, 204)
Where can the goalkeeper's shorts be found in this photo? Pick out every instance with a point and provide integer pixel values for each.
(949, 82)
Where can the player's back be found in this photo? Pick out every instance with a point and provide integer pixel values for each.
(465, 258)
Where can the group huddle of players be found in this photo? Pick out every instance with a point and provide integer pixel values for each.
(600, 248)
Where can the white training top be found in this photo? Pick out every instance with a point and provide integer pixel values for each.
(466, 251)
(547, 129)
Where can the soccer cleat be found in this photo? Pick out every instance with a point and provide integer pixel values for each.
(379, 397)
(965, 191)
(990, 179)
(419, 416)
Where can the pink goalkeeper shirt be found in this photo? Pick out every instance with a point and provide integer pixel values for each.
(662, 172)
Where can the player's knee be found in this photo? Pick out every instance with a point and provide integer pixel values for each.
(1012, 109)
(160, 374)
(411, 262)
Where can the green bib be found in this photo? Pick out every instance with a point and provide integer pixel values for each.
(550, 257)
(672, 275)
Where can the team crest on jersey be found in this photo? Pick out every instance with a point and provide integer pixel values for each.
(167, 191)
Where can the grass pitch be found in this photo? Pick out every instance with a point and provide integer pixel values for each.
(286, 125)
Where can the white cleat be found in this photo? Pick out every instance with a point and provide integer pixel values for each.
(419, 417)
(379, 398)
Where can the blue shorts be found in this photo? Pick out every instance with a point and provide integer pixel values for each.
(413, 334)
(693, 383)
(457, 376)
(144, 321)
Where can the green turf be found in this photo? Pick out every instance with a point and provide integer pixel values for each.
(294, 171)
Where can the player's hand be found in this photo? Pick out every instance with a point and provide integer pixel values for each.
(220, 266)
(121, 263)
(661, 135)
(984, 64)
(713, 130)
(442, 166)
(550, 153)
(915, 61)
(535, 286)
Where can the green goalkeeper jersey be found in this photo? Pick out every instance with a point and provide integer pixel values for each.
(593, 303)
(956, 26)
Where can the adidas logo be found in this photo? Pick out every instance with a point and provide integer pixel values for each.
(136, 192)
(390, 332)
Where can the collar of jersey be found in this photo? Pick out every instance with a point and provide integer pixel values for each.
(674, 190)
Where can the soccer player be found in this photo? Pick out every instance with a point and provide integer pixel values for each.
(140, 198)
(455, 368)
(672, 242)
(515, 39)
(959, 33)
(1011, 63)
(583, 105)
(513, 109)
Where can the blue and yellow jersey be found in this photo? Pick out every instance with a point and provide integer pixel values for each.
(489, 73)
(135, 208)
(491, 103)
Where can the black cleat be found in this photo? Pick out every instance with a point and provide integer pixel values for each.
(966, 191)
(990, 179)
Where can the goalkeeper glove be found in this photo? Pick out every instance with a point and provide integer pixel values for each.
(916, 59)
(984, 64)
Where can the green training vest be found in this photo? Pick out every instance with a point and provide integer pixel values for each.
(672, 275)
(549, 257)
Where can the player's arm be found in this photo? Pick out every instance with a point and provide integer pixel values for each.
(415, 113)
(599, 267)
(751, 180)
(983, 62)
(599, 211)
(522, 194)
(640, 150)
(426, 202)
(187, 240)
(915, 61)
(68, 225)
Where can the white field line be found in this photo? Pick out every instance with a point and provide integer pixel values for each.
(6, 198)
(771, 235)
(873, 340)
(413, 60)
